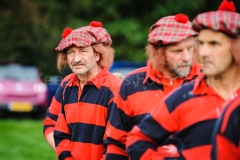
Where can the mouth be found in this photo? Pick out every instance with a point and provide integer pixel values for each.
(78, 65)
(207, 63)
(185, 66)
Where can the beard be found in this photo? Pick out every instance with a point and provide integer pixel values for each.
(177, 71)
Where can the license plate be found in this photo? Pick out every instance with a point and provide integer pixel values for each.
(20, 106)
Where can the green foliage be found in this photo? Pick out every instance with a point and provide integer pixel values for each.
(23, 140)
(31, 29)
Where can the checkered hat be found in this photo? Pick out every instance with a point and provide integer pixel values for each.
(224, 20)
(170, 29)
(84, 36)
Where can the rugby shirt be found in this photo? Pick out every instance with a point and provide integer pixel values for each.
(226, 142)
(185, 117)
(139, 92)
(80, 128)
(55, 107)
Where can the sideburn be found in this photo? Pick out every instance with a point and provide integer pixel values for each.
(156, 56)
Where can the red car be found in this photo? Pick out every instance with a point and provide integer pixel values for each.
(21, 89)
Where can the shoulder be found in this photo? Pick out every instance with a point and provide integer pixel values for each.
(136, 75)
(180, 95)
(67, 78)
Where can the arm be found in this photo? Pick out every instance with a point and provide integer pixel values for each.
(145, 138)
(116, 138)
(119, 124)
(52, 116)
(53, 112)
(50, 140)
(62, 138)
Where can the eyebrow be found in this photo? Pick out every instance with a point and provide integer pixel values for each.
(210, 41)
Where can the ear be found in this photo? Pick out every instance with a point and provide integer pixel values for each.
(97, 56)
(235, 49)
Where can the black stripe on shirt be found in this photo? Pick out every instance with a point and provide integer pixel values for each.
(180, 95)
(111, 156)
(91, 94)
(198, 134)
(151, 128)
(59, 136)
(87, 133)
(52, 116)
(115, 142)
(119, 119)
(134, 83)
(232, 131)
(139, 147)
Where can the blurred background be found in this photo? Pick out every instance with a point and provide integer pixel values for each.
(30, 30)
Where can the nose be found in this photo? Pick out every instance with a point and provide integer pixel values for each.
(77, 57)
(203, 50)
(186, 55)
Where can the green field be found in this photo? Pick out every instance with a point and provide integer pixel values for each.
(22, 139)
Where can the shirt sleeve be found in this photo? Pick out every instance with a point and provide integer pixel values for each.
(52, 112)
(54, 109)
(144, 139)
(62, 138)
(119, 124)
(226, 135)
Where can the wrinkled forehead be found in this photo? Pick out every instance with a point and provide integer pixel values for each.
(184, 43)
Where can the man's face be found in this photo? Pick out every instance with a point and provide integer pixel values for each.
(179, 58)
(214, 52)
(82, 61)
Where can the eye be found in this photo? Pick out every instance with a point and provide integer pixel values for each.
(190, 48)
(69, 52)
(177, 51)
(199, 42)
(83, 51)
(213, 43)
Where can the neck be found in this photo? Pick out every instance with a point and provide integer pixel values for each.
(83, 78)
(226, 84)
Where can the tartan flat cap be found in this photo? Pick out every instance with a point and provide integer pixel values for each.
(224, 20)
(170, 29)
(84, 36)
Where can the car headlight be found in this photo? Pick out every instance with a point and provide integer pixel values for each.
(39, 88)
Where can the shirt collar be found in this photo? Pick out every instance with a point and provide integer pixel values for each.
(158, 77)
(201, 87)
(98, 80)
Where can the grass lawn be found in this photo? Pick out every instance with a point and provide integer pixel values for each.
(22, 139)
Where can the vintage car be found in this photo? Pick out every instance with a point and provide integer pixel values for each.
(21, 89)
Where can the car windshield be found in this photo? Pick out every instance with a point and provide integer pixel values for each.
(18, 72)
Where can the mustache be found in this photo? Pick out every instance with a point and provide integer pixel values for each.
(184, 64)
(78, 63)
(206, 60)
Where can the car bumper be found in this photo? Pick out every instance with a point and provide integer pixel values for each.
(22, 107)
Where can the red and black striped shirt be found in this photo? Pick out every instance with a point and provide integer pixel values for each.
(185, 118)
(227, 133)
(80, 128)
(139, 92)
(55, 107)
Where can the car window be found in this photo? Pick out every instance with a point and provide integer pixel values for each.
(18, 72)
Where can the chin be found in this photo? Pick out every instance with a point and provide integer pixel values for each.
(184, 73)
(80, 72)
(209, 73)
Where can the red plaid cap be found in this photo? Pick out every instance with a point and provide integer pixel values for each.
(224, 21)
(168, 30)
(85, 36)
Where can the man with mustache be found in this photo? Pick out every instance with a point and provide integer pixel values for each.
(171, 62)
(84, 96)
(186, 117)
